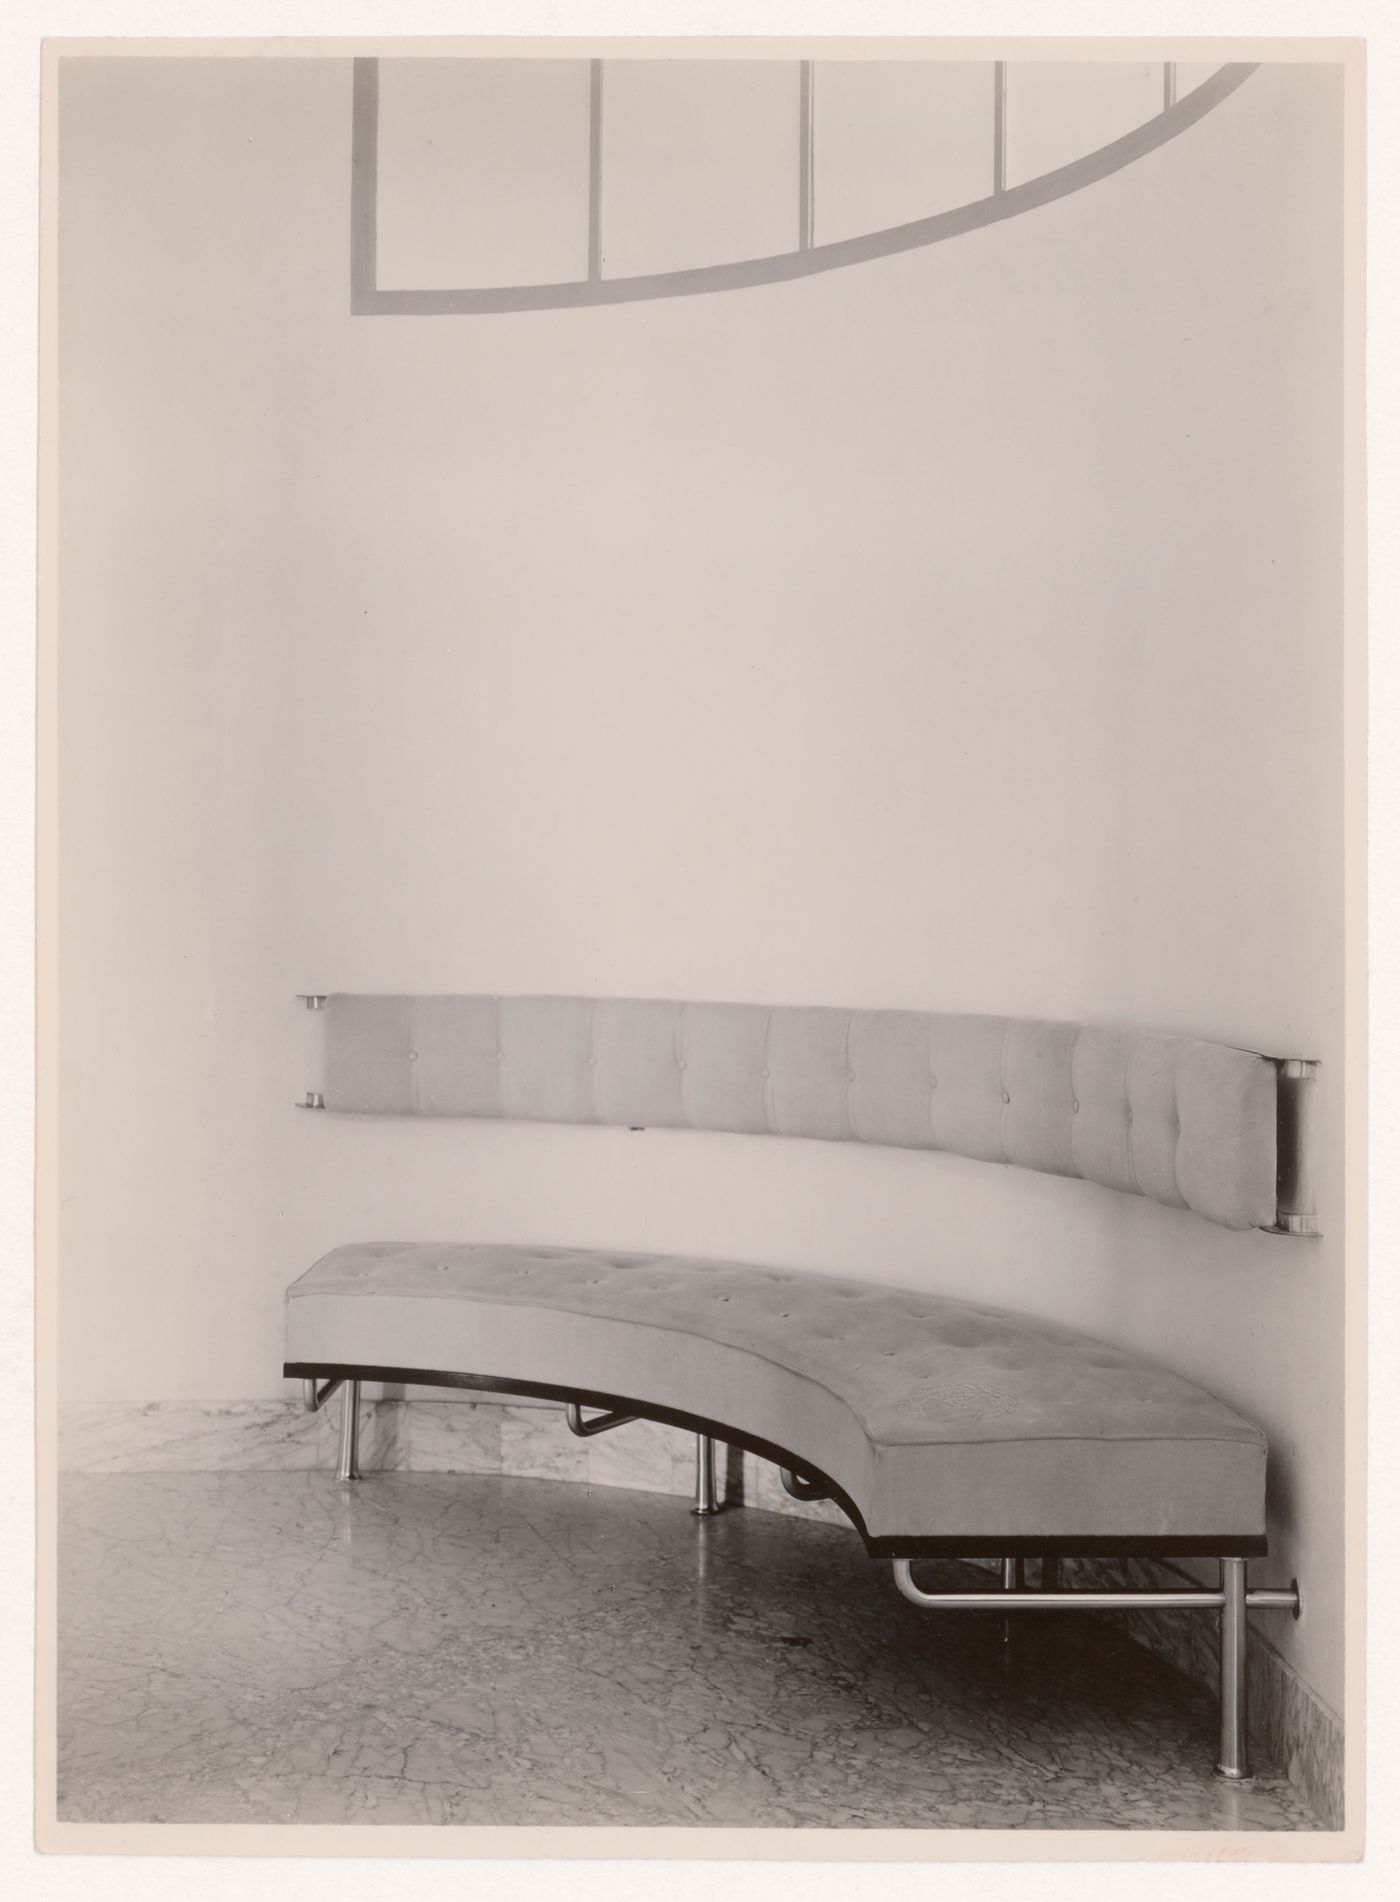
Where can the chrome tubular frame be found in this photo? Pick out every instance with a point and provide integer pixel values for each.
(313, 1398)
(1234, 1658)
(706, 1494)
(347, 1465)
(600, 1423)
(1232, 1599)
(798, 1488)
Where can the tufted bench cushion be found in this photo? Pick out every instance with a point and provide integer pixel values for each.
(940, 1424)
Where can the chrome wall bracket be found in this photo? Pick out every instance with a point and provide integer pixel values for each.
(1291, 1224)
(1296, 1211)
(1232, 1599)
(600, 1423)
(313, 1398)
(313, 1000)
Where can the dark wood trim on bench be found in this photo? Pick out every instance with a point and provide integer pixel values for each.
(1211, 1545)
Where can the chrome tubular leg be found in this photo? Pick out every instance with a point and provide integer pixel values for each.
(1234, 1631)
(1231, 1601)
(706, 1501)
(348, 1464)
(1010, 1579)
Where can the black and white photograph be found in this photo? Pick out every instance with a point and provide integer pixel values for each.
(701, 1092)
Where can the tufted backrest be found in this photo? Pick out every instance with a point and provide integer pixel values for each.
(1191, 1124)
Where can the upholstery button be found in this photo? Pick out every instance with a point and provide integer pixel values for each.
(765, 1073)
(1006, 1096)
(933, 1082)
(850, 1076)
(680, 1063)
(413, 1056)
(592, 1063)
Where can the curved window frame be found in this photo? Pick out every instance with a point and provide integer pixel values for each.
(367, 299)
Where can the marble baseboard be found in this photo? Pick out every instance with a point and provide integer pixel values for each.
(524, 1440)
(201, 1436)
(520, 1441)
(1287, 1720)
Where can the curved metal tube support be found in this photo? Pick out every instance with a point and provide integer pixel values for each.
(1232, 1600)
(798, 1488)
(1017, 1600)
(1204, 1598)
(313, 1398)
(600, 1423)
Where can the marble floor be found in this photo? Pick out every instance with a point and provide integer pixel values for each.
(433, 1648)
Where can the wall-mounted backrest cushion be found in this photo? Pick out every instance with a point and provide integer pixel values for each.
(1187, 1123)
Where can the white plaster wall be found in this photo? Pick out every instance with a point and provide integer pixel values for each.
(960, 631)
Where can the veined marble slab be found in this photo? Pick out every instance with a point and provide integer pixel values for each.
(644, 1455)
(451, 1436)
(242, 1436)
(535, 1444)
(174, 1436)
(273, 1648)
(531, 1441)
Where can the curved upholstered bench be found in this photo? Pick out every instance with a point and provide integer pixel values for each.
(939, 1426)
